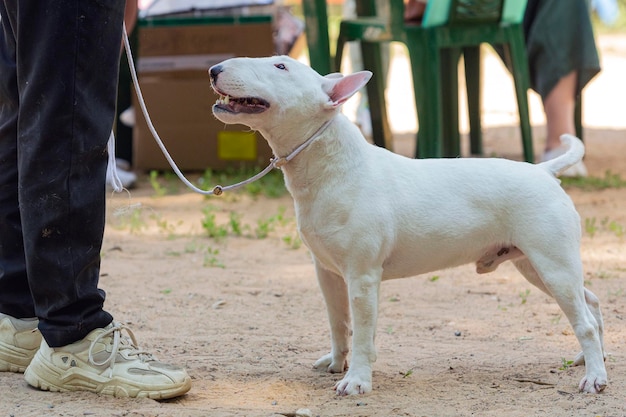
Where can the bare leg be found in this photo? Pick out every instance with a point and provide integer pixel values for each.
(414, 10)
(559, 109)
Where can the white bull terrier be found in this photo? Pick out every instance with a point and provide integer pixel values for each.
(369, 215)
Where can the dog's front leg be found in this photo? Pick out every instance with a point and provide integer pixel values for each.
(363, 292)
(335, 294)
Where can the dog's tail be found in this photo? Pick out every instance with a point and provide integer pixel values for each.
(574, 153)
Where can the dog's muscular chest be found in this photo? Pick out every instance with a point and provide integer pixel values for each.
(324, 233)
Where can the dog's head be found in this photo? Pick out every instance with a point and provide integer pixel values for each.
(279, 93)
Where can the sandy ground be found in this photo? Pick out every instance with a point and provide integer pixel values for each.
(245, 316)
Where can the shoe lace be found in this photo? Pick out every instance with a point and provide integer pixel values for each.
(127, 344)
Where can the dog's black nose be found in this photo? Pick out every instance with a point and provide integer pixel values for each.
(214, 72)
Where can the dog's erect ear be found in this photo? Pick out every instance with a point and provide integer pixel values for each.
(340, 89)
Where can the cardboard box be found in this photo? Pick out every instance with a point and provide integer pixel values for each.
(174, 56)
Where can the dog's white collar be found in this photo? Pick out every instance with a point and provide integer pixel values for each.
(275, 162)
(278, 162)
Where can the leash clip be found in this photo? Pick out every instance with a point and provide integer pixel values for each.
(279, 162)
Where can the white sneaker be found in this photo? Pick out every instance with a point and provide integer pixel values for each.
(19, 341)
(577, 170)
(128, 117)
(122, 164)
(106, 362)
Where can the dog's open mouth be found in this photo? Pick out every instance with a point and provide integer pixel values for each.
(250, 105)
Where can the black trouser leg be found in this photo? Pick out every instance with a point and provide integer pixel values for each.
(67, 58)
(15, 298)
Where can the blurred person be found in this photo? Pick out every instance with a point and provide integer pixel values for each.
(562, 59)
(125, 114)
(58, 77)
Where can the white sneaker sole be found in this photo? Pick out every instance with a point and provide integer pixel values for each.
(45, 376)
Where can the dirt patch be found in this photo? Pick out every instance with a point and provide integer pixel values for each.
(245, 316)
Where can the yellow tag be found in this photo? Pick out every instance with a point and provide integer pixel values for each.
(239, 146)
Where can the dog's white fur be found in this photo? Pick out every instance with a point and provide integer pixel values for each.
(369, 215)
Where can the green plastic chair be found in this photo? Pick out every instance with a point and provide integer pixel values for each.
(450, 28)
(316, 30)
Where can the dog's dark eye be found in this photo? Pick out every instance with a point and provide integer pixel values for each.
(281, 66)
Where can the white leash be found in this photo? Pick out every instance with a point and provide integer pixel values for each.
(275, 162)
(116, 183)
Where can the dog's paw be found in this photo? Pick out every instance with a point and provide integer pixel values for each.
(593, 384)
(330, 365)
(355, 383)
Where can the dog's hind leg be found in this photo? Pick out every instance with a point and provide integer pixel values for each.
(593, 303)
(528, 271)
(563, 280)
(594, 306)
(335, 294)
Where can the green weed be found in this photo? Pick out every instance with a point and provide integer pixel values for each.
(565, 364)
(164, 226)
(615, 294)
(210, 226)
(271, 185)
(159, 190)
(556, 319)
(609, 180)
(191, 247)
(164, 183)
(235, 223)
(210, 259)
(235, 227)
(293, 241)
(524, 295)
(611, 226)
(616, 228)
(266, 226)
(590, 226)
(133, 220)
